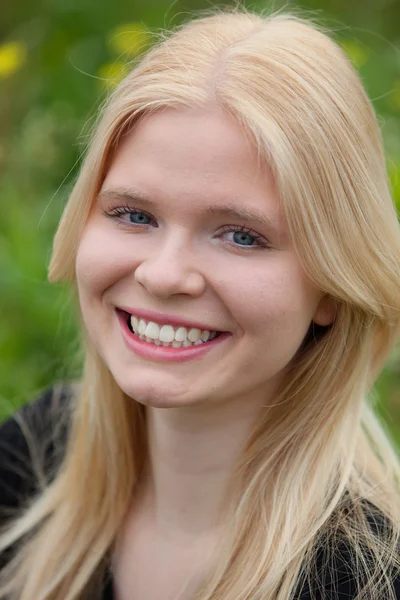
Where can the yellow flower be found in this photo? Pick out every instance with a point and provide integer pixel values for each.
(12, 57)
(394, 98)
(356, 52)
(394, 174)
(113, 72)
(129, 39)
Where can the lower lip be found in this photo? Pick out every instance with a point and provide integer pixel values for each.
(164, 353)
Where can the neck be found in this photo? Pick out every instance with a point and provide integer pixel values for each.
(192, 454)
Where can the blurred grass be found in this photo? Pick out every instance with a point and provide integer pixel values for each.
(57, 62)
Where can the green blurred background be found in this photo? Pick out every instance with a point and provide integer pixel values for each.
(58, 61)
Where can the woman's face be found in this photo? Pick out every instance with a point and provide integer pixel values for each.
(170, 244)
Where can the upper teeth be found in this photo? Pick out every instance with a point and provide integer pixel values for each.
(167, 333)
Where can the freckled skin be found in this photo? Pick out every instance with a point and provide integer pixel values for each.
(179, 264)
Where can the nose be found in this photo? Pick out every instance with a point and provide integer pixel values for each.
(171, 269)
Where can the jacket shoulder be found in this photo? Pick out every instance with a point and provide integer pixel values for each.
(32, 445)
(338, 571)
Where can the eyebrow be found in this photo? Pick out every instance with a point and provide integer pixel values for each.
(225, 210)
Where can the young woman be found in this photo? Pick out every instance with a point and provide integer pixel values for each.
(235, 256)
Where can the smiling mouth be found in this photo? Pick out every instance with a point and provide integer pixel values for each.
(167, 335)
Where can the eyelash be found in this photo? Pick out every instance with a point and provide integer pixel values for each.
(262, 243)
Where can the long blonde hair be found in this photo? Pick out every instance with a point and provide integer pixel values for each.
(306, 481)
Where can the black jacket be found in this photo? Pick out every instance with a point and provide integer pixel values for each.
(18, 482)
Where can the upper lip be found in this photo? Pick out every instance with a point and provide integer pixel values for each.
(165, 319)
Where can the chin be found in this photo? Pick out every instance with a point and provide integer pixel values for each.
(150, 395)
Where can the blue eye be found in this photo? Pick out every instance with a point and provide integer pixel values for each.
(140, 218)
(137, 217)
(243, 237)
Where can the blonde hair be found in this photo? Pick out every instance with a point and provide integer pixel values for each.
(310, 480)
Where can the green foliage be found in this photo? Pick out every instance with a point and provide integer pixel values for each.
(57, 62)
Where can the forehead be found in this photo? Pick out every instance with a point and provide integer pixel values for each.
(194, 157)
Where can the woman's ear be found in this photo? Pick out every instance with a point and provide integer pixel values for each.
(326, 311)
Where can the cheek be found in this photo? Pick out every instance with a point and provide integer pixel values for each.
(97, 269)
(100, 261)
(274, 298)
